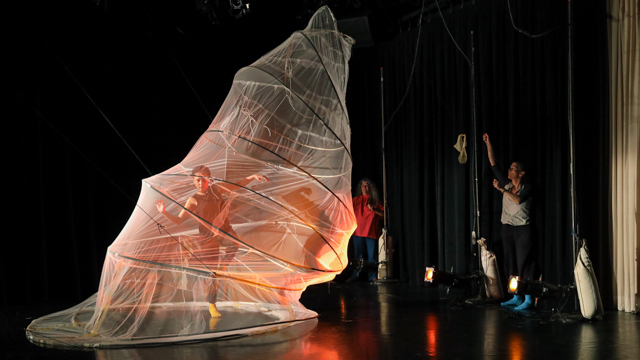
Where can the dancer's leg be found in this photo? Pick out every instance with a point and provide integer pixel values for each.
(372, 257)
(359, 249)
(509, 251)
(525, 258)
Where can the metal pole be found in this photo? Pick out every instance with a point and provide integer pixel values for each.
(384, 168)
(475, 137)
(475, 233)
(574, 225)
(384, 183)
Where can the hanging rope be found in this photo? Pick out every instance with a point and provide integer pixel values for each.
(176, 61)
(160, 226)
(413, 66)
(451, 35)
(533, 36)
(55, 54)
(46, 121)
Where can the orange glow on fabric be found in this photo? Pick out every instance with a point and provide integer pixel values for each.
(256, 212)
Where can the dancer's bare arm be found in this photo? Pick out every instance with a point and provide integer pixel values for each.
(492, 157)
(184, 214)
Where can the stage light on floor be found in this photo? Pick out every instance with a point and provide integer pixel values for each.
(538, 289)
(428, 276)
(447, 278)
(513, 284)
(441, 277)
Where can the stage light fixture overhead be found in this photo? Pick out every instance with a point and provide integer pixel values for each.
(239, 8)
(219, 13)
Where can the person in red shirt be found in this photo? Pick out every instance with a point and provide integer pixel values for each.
(369, 211)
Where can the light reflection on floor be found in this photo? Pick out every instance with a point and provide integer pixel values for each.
(387, 321)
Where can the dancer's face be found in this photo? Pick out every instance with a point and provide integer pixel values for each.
(366, 190)
(514, 171)
(201, 182)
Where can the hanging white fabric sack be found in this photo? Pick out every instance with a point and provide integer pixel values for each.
(587, 286)
(493, 285)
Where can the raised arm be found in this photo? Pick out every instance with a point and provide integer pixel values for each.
(227, 187)
(492, 157)
(524, 194)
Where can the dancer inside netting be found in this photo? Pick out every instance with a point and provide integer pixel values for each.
(209, 207)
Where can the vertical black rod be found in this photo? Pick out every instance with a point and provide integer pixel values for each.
(475, 233)
(385, 244)
(384, 166)
(575, 237)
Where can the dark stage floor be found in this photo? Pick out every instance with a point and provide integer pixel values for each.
(384, 321)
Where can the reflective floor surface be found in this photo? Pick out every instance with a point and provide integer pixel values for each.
(384, 321)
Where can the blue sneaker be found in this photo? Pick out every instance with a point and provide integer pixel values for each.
(516, 301)
(527, 304)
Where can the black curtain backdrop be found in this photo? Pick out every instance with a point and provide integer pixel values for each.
(66, 211)
(521, 101)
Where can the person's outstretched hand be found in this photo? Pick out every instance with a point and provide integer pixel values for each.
(160, 206)
(486, 140)
(259, 177)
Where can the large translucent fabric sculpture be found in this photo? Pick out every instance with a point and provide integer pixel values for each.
(253, 246)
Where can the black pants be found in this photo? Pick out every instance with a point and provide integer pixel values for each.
(519, 257)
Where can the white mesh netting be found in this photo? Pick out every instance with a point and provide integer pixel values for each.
(212, 230)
